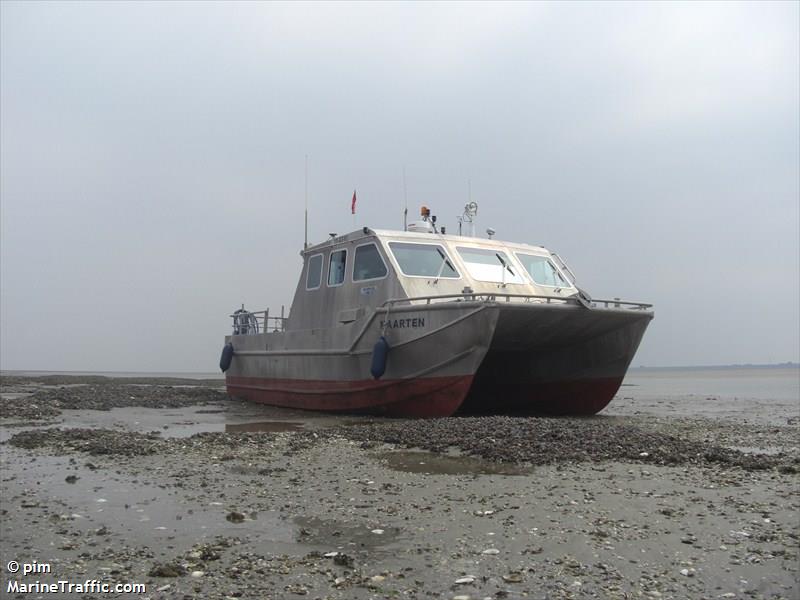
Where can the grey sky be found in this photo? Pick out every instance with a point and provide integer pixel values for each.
(152, 161)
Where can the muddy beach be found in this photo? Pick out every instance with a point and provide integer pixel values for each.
(169, 483)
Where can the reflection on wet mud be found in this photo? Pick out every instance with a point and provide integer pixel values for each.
(438, 464)
(270, 426)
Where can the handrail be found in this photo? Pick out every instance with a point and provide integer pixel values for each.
(250, 322)
(253, 322)
(616, 302)
(564, 266)
(492, 297)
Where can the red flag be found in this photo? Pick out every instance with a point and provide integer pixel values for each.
(353, 203)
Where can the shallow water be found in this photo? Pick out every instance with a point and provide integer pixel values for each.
(135, 507)
(762, 383)
(760, 395)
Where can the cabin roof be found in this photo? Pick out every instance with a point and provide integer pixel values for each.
(417, 236)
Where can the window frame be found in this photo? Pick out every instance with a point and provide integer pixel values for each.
(404, 274)
(344, 271)
(353, 268)
(569, 286)
(508, 253)
(321, 270)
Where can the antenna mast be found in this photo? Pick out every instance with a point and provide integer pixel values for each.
(305, 239)
(470, 212)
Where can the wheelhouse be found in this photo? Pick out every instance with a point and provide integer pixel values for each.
(347, 275)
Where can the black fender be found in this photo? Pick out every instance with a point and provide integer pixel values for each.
(226, 358)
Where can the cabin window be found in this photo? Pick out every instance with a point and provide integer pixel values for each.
(368, 263)
(314, 274)
(423, 260)
(336, 267)
(486, 264)
(542, 270)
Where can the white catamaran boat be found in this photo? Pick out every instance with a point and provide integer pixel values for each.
(422, 323)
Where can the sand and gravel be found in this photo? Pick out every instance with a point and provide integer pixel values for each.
(171, 484)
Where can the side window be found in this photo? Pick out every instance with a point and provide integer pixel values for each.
(336, 267)
(314, 274)
(368, 263)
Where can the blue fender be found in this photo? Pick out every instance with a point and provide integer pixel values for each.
(380, 354)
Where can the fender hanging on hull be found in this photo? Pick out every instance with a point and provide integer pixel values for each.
(226, 357)
(380, 354)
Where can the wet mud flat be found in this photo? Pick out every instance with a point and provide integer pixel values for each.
(171, 484)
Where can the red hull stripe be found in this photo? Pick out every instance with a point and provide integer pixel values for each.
(430, 396)
(421, 397)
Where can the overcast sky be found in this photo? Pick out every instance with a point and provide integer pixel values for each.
(152, 161)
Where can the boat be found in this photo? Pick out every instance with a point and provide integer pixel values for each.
(424, 323)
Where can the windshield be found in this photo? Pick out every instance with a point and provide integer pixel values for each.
(542, 270)
(423, 260)
(490, 265)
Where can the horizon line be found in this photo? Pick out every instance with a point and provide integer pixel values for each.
(179, 372)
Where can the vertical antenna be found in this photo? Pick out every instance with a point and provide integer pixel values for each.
(405, 201)
(305, 239)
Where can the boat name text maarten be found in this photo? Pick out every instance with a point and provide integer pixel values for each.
(401, 323)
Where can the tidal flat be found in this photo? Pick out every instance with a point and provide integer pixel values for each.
(168, 482)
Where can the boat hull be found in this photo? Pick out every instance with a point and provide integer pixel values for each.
(434, 354)
(467, 357)
(556, 360)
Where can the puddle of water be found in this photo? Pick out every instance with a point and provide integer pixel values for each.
(351, 422)
(766, 450)
(13, 395)
(343, 536)
(441, 464)
(169, 422)
(176, 422)
(271, 426)
(254, 470)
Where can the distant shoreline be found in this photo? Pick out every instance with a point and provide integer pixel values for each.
(217, 375)
(140, 374)
(786, 365)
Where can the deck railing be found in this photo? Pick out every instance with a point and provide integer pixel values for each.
(525, 298)
(247, 322)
